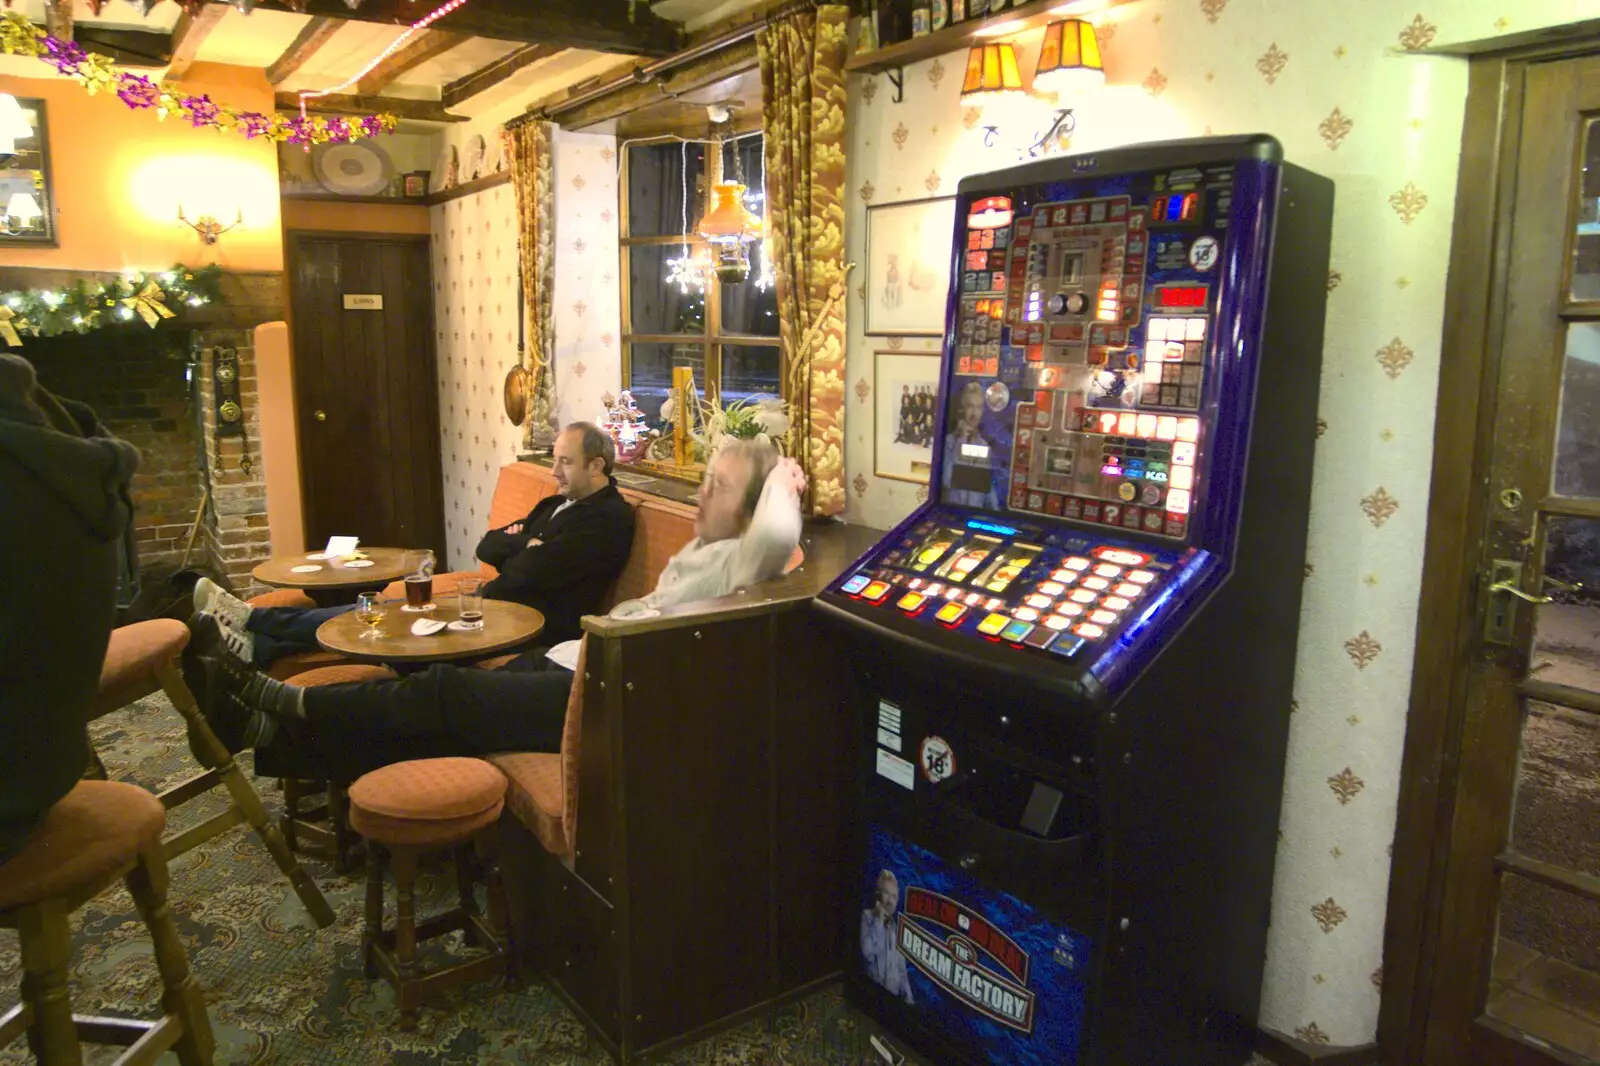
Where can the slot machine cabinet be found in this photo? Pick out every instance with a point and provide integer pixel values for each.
(1075, 661)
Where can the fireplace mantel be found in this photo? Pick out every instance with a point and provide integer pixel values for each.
(249, 297)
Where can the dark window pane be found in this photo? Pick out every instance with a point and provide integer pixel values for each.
(750, 370)
(1577, 465)
(650, 379)
(747, 307)
(1586, 249)
(656, 177)
(742, 161)
(656, 305)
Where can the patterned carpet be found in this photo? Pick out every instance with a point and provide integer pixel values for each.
(282, 993)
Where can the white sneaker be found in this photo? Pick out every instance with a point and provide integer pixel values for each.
(241, 644)
(229, 609)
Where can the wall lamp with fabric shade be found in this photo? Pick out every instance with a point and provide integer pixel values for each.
(1069, 59)
(992, 73)
(21, 210)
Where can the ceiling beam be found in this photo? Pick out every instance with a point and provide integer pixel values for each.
(597, 25)
(316, 33)
(479, 80)
(128, 48)
(189, 34)
(417, 51)
(416, 110)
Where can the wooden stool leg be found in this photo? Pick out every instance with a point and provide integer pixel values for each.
(344, 838)
(464, 886)
(147, 883)
(372, 934)
(403, 861)
(46, 955)
(488, 844)
(287, 823)
(244, 797)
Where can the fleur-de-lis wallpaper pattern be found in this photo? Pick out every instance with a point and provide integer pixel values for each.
(475, 315)
(1349, 98)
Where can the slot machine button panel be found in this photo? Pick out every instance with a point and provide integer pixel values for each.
(1015, 631)
(911, 602)
(952, 613)
(876, 592)
(993, 624)
(855, 584)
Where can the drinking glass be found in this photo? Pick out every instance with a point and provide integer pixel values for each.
(470, 589)
(369, 612)
(419, 581)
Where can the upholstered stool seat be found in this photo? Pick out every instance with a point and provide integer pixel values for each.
(282, 598)
(315, 819)
(99, 831)
(144, 658)
(407, 810)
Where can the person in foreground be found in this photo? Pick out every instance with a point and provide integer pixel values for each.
(559, 560)
(64, 483)
(746, 528)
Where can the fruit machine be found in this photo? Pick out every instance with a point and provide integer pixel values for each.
(1075, 660)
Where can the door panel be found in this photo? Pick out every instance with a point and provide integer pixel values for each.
(1517, 971)
(366, 390)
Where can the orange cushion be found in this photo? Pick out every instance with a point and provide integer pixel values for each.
(136, 651)
(427, 801)
(282, 598)
(534, 795)
(495, 662)
(342, 673)
(299, 662)
(94, 833)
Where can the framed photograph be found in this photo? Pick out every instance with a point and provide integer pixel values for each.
(905, 389)
(27, 198)
(417, 183)
(908, 266)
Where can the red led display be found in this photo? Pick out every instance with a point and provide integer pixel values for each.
(1179, 297)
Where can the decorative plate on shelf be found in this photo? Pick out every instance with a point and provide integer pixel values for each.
(499, 154)
(360, 168)
(445, 171)
(472, 165)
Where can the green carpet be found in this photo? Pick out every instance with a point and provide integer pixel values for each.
(282, 992)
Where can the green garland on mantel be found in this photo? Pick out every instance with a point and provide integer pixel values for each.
(85, 306)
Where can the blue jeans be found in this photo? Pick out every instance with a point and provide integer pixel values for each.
(281, 631)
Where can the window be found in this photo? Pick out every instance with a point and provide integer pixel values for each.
(728, 334)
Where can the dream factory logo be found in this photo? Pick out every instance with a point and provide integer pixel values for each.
(946, 941)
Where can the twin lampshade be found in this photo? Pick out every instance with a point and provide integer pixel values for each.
(1069, 60)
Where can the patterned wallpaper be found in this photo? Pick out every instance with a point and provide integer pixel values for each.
(1348, 100)
(475, 286)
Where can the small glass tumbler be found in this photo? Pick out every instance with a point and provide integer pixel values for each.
(470, 591)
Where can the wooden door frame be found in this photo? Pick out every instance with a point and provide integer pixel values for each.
(293, 240)
(1469, 372)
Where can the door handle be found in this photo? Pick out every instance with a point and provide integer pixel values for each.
(1526, 597)
(322, 416)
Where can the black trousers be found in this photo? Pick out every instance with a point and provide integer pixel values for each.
(445, 710)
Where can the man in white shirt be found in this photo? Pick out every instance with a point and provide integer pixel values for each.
(880, 950)
(747, 526)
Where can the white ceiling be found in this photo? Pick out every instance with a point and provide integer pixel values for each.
(257, 40)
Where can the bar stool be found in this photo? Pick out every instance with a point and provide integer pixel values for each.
(142, 659)
(411, 809)
(316, 818)
(99, 831)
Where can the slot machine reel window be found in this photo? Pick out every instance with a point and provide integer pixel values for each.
(726, 333)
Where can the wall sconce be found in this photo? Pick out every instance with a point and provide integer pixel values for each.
(1069, 59)
(21, 210)
(208, 227)
(992, 73)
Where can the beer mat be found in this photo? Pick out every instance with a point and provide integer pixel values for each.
(462, 627)
(356, 564)
(317, 555)
(308, 569)
(426, 627)
(418, 610)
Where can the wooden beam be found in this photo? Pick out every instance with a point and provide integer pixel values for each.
(128, 48)
(417, 51)
(316, 33)
(695, 74)
(479, 80)
(416, 110)
(58, 18)
(189, 34)
(597, 25)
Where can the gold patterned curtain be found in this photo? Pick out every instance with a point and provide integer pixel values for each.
(532, 178)
(803, 97)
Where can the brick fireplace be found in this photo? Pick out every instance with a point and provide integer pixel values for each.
(153, 388)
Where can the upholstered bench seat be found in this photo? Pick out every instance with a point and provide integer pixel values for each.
(534, 794)
(342, 673)
(427, 802)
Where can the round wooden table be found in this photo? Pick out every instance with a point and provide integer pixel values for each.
(505, 626)
(335, 581)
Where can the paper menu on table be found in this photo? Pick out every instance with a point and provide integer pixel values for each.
(340, 546)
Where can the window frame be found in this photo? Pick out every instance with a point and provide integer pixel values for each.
(713, 339)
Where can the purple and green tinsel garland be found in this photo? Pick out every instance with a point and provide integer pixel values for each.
(97, 73)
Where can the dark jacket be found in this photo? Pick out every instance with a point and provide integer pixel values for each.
(582, 552)
(65, 519)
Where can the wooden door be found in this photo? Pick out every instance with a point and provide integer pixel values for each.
(366, 389)
(1515, 977)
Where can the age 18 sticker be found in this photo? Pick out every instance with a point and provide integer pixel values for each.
(937, 760)
(1203, 253)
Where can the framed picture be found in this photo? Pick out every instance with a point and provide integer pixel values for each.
(417, 183)
(905, 389)
(27, 198)
(908, 266)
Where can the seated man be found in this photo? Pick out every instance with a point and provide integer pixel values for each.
(747, 527)
(560, 560)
